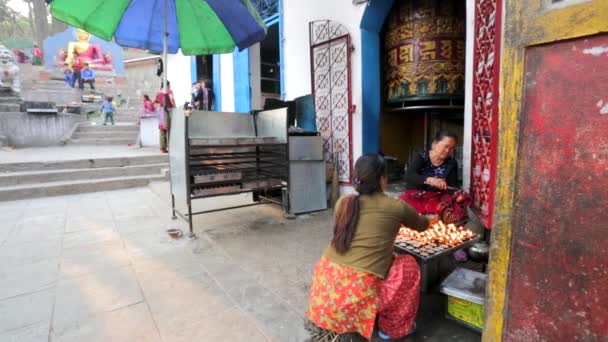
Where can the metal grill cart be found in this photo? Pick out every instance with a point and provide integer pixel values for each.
(428, 255)
(215, 154)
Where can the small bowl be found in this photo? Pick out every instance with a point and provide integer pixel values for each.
(479, 252)
(175, 233)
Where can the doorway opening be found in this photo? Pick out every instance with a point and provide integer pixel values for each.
(204, 69)
(270, 68)
(423, 70)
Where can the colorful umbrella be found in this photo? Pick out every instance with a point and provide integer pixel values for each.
(198, 27)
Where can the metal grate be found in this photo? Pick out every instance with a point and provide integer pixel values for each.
(485, 106)
(266, 8)
(331, 85)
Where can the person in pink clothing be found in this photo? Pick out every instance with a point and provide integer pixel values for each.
(37, 54)
(148, 109)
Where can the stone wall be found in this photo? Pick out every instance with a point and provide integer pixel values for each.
(25, 130)
(141, 77)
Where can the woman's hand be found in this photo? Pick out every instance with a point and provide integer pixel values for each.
(437, 183)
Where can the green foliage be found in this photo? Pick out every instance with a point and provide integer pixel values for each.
(15, 29)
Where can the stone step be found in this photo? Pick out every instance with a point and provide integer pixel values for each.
(105, 135)
(84, 163)
(119, 120)
(10, 107)
(99, 88)
(101, 128)
(103, 141)
(31, 177)
(134, 116)
(76, 187)
(124, 119)
(60, 97)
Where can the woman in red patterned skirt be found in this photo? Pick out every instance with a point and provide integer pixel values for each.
(358, 280)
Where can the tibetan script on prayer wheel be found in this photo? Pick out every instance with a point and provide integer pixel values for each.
(425, 50)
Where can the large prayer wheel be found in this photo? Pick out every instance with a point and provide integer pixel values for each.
(425, 50)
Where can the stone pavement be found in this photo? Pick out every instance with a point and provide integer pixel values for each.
(99, 267)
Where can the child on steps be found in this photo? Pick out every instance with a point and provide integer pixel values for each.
(108, 110)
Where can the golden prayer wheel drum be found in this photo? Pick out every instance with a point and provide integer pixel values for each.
(425, 50)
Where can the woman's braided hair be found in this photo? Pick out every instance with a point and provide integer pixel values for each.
(369, 170)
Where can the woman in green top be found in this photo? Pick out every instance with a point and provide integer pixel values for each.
(358, 278)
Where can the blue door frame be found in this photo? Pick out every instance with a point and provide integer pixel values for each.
(371, 24)
(217, 83)
(242, 72)
(242, 81)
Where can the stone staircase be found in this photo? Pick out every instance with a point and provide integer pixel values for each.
(54, 178)
(97, 134)
(128, 96)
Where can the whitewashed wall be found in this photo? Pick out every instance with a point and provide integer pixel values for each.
(296, 49)
(179, 74)
(468, 99)
(227, 82)
(255, 74)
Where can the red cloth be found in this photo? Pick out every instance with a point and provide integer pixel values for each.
(160, 115)
(450, 207)
(399, 297)
(149, 107)
(77, 64)
(345, 300)
(37, 52)
(161, 98)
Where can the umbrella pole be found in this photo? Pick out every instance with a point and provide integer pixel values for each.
(165, 38)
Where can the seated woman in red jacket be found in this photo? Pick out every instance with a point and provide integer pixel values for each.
(432, 181)
(148, 108)
(358, 278)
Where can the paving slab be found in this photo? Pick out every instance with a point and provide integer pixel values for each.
(227, 325)
(90, 238)
(29, 252)
(24, 232)
(81, 222)
(103, 291)
(129, 324)
(32, 333)
(93, 259)
(25, 310)
(24, 279)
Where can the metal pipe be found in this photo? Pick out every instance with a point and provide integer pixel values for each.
(426, 131)
(165, 39)
(403, 109)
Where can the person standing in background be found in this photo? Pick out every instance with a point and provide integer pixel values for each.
(194, 95)
(77, 71)
(160, 98)
(67, 75)
(204, 97)
(37, 55)
(108, 109)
